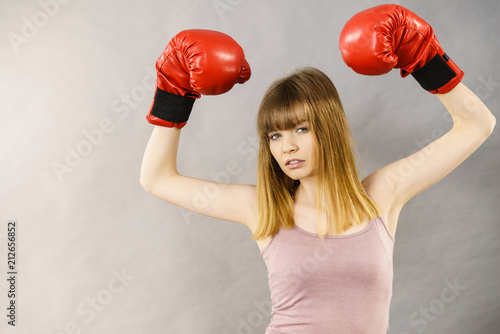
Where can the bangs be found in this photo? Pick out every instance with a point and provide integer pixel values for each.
(283, 119)
(281, 109)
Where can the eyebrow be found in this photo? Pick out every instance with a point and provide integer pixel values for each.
(293, 125)
(300, 122)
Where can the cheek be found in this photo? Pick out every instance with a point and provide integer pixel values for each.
(272, 149)
(313, 149)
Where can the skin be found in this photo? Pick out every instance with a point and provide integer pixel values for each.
(387, 186)
(298, 143)
(295, 143)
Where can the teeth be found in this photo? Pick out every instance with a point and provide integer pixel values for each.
(293, 162)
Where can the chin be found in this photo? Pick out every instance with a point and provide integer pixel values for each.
(298, 176)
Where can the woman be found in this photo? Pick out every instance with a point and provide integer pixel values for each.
(326, 236)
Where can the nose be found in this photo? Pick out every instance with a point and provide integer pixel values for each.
(289, 145)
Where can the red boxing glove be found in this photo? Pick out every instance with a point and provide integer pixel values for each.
(384, 37)
(195, 62)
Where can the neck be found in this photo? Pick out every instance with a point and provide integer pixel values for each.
(307, 191)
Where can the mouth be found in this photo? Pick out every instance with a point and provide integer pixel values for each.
(294, 163)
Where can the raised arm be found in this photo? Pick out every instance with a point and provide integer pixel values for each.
(384, 37)
(159, 177)
(195, 62)
(472, 124)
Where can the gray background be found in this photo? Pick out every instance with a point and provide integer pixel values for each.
(70, 68)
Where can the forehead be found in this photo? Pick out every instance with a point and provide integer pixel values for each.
(285, 118)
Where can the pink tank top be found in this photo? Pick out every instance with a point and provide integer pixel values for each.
(339, 285)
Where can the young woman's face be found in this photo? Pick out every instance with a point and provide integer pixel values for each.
(294, 150)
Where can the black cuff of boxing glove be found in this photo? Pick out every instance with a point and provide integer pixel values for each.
(435, 74)
(171, 107)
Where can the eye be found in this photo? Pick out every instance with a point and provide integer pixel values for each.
(274, 136)
(303, 129)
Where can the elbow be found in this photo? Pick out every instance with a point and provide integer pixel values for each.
(490, 125)
(145, 184)
(493, 123)
(483, 127)
(155, 184)
(149, 186)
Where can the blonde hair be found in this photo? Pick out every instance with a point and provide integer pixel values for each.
(309, 91)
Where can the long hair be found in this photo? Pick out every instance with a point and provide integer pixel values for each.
(309, 94)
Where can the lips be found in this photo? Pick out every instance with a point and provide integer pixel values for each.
(294, 163)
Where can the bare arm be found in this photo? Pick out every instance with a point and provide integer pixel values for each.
(472, 124)
(160, 157)
(403, 179)
(159, 176)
